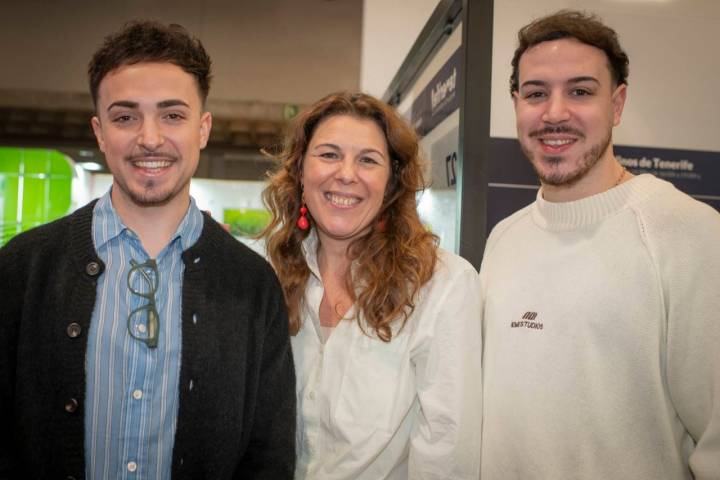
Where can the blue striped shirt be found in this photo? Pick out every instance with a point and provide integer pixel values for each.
(132, 390)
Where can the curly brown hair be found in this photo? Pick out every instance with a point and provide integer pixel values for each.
(581, 26)
(391, 263)
(150, 41)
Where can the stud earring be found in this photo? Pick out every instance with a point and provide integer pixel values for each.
(302, 222)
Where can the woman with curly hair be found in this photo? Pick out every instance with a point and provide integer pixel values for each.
(385, 325)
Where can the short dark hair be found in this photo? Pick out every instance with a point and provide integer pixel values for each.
(584, 27)
(151, 41)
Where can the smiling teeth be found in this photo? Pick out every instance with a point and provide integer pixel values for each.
(341, 200)
(153, 164)
(557, 143)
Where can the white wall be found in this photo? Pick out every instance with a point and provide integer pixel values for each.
(673, 46)
(389, 29)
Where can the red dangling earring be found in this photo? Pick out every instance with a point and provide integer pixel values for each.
(302, 222)
(381, 225)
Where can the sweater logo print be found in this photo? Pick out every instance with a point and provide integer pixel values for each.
(527, 321)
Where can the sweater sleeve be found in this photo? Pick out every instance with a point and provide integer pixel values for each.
(689, 269)
(271, 452)
(445, 440)
(10, 311)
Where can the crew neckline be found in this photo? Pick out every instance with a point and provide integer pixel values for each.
(558, 216)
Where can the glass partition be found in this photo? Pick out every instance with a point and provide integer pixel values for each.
(35, 188)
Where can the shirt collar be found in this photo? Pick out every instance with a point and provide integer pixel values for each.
(190, 226)
(107, 224)
(310, 248)
(565, 216)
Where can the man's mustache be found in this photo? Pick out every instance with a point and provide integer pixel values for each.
(556, 130)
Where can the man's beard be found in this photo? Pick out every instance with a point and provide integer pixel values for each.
(149, 197)
(556, 178)
(148, 194)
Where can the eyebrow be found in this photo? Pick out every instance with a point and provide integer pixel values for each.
(336, 147)
(172, 103)
(163, 104)
(123, 104)
(580, 79)
(585, 78)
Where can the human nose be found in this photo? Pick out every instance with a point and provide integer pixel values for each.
(150, 136)
(347, 170)
(556, 110)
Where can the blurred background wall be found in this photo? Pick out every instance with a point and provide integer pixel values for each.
(273, 57)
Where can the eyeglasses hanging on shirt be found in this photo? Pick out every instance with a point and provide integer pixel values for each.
(143, 322)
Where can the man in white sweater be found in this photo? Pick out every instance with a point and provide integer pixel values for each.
(602, 298)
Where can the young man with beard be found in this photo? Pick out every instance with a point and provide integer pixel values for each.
(601, 355)
(138, 339)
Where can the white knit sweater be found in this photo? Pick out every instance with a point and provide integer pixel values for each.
(602, 338)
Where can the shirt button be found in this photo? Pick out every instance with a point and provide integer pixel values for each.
(73, 330)
(141, 328)
(131, 466)
(194, 318)
(137, 394)
(71, 405)
(92, 268)
(311, 395)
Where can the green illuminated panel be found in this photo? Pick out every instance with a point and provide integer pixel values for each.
(8, 198)
(59, 166)
(59, 197)
(34, 204)
(35, 188)
(246, 222)
(36, 161)
(10, 160)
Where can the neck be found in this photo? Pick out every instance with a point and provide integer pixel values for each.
(154, 225)
(607, 173)
(333, 259)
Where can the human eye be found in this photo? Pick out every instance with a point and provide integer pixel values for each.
(122, 118)
(369, 160)
(328, 155)
(534, 95)
(174, 116)
(581, 92)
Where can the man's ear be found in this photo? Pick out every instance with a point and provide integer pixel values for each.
(618, 100)
(97, 130)
(205, 127)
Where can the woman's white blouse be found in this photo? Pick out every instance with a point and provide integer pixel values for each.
(408, 409)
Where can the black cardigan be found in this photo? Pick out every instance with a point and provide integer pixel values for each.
(236, 416)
